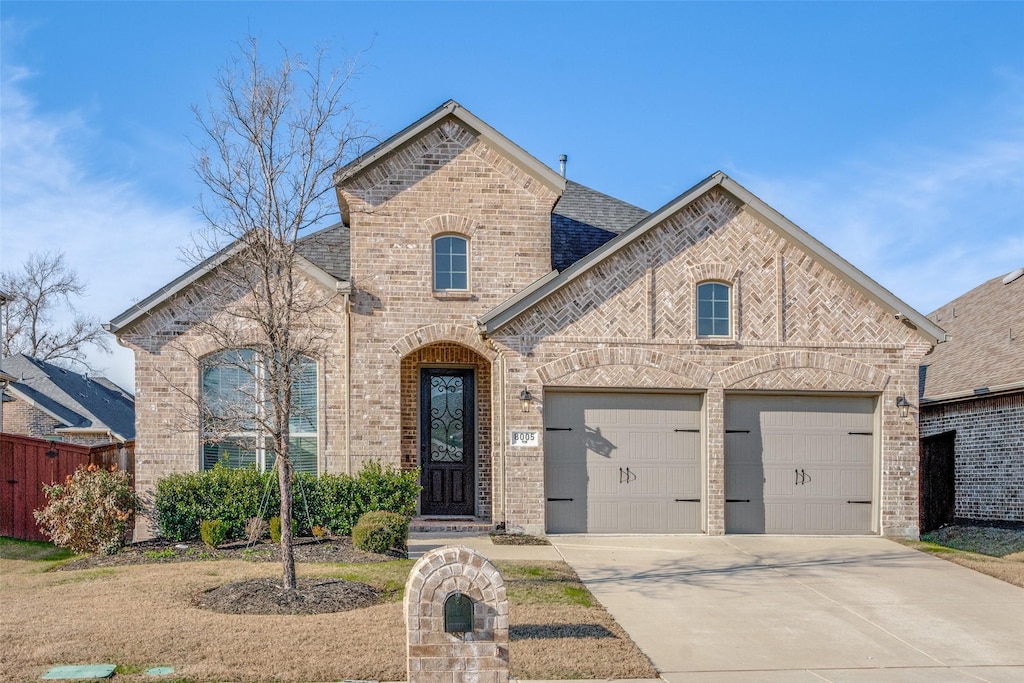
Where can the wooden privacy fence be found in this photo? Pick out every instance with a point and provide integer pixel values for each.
(26, 464)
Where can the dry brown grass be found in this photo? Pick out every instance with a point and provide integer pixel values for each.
(1009, 568)
(996, 551)
(142, 616)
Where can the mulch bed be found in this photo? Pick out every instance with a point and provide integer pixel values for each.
(266, 596)
(333, 549)
(258, 596)
(517, 539)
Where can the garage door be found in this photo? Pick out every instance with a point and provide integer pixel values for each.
(622, 463)
(799, 465)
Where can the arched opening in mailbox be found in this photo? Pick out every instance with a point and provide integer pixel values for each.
(458, 613)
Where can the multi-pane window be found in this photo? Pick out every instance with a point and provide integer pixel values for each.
(713, 310)
(451, 263)
(234, 406)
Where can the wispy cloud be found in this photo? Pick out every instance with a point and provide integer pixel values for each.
(929, 222)
(122, 242)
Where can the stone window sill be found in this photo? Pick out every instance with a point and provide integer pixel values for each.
(717, 342)
(454, 296)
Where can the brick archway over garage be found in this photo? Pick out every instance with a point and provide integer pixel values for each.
(449, 354)
(804, 370)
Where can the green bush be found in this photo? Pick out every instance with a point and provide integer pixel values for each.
(275, 529)
(213, 532)
(93, 510)
(233, 496)
(380, 531)
(332, 501)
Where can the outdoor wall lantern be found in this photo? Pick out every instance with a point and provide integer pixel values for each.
(903, 404)
(458, 613)
(52, 453)
(526, 397)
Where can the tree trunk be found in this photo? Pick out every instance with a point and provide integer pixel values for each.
(284, 478)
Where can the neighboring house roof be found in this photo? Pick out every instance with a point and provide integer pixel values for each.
(330, 245)
(583, 219)
(523, 159)
(79, 402)
(552, 282)
(986, 353)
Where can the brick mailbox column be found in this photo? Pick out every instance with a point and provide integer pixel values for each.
(435, 655)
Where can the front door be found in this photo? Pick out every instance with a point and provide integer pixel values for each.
(447, 441)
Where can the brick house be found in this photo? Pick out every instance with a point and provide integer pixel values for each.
(46, 401)
(556, 360)
(972, 407)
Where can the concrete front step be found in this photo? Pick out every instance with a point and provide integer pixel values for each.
(457, 525)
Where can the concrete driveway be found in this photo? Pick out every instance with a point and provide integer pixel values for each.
(781, 609)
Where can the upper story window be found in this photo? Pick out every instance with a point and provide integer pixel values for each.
(714, 309)
(234, 409)
(451, 263)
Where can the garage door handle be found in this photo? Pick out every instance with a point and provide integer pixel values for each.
(687, 500)
(688, 431)
(556, 500)
(737, 500)
(737, 431)
(860, 433)
(558, 429)
(859, 502)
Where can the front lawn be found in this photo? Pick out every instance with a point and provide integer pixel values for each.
(140, 616)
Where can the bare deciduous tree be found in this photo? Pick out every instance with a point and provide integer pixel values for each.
(44, 288)
(273, 138)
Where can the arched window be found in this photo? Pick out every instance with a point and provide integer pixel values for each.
(235, 412)
(451, 263)
(714, 309)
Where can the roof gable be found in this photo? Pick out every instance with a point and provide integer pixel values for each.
(514, 307)
(452, 109)
(323, 255)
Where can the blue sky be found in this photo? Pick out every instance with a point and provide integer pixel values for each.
(892, 132)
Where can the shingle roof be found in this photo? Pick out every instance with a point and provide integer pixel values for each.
(78, 401)
(328, 249)
(986, 352)
(583, 220)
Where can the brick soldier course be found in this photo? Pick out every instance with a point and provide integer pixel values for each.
(568, 289)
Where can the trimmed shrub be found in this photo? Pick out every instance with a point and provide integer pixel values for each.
(275, 529)
(331, 501)
(380, 531)
(213, 532)
(92, 511)
(233, 496)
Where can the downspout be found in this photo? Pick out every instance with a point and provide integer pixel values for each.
(348, 384)
(501, 441)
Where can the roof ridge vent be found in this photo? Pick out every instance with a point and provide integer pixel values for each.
(1010, 277)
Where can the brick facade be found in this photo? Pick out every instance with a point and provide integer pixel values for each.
(629, 322)
(989, 448)
(23, 418)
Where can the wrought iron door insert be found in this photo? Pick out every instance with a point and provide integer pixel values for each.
(447, 441)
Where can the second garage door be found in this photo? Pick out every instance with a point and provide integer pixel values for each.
(799, 464)
(622, 463)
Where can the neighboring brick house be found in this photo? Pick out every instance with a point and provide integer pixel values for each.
(556, 360)
(47, 401)
(972, 404)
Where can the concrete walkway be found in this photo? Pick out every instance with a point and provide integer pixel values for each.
(797, 609)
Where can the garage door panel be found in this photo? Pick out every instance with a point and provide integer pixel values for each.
(815, 454)
(634, 461)
(776, 516)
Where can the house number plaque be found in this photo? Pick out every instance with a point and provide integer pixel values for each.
(524, 437)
